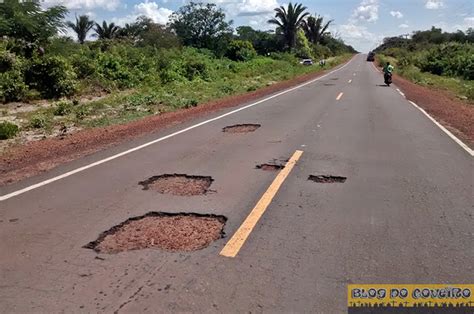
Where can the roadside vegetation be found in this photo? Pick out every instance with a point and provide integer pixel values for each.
(434, 58)
(53, 85)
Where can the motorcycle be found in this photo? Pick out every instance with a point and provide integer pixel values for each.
(388, 78)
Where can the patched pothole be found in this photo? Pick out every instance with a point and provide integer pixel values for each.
(241, 128)
(178, 184)
(327, 179)
(270, 167)
(167, 231)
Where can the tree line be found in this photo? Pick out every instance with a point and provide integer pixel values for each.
(433, 51)
(199, 25)
(36, 61)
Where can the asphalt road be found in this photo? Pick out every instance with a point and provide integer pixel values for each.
(404, 215)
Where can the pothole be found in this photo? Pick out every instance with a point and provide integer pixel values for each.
(327, 179)
(241, 128)
(334, 79)
(329, 84)
(167, 231)
(270, 167)
(178, 184)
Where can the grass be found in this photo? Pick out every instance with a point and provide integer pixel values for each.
(462, 89)
(154, 98)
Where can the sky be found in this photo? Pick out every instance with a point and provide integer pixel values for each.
(361, 23)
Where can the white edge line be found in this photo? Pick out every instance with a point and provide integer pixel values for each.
(70, 173)
(451, 135)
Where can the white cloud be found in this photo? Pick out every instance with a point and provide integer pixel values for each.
(257, 7)
(110, 5)
(368, 10)
(149, 9)
(358, 36)
(235, 8)
(403, 26)
(396, 14)
(434, 4)
(260, 22)
(469, 21)
(91, 15)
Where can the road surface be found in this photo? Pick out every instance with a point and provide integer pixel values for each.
(404, 214)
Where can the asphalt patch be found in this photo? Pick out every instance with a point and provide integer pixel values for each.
(178, 184)
(270, 167)
(241, 128)
(173, 232)
(327, 179)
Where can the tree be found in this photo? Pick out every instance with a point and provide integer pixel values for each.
(106, 31)
(289, 21)
(470, 35)
(302, 45)
(145, 32)
(28, 22)
(241, 50)
(314, 28)
(201, 25)
(264, 42)
(82, 26)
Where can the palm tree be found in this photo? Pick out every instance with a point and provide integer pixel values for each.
(106, 31)
(289, 20)
(82, 26)
(315, 29)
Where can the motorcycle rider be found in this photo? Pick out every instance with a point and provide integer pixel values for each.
(387, 71)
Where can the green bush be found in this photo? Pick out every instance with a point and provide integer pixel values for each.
(196, 69)
(284, 56)
(8, 130)
(12, 86)
(81, 112)
(138, 100)
(52, 76)
(112, 68)
(241, 50)
(39, 121)
(85, 66)
(320, 52)
(63, 108)
(452, 59)
(12, 77)
(188, 103)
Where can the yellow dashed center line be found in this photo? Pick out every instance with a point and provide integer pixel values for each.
(232, 248)
(339, 96)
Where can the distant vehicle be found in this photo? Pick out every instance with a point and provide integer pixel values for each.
(371, 56)
(306, 62)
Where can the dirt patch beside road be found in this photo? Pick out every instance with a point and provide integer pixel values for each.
(27, 160)
(453, 113)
